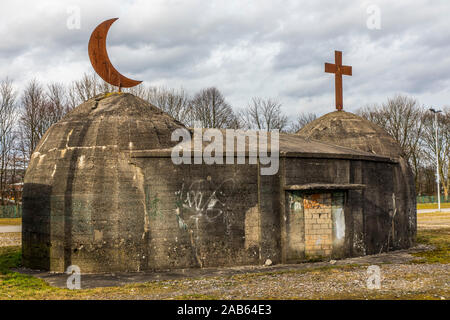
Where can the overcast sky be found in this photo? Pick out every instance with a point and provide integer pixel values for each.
(264, 48)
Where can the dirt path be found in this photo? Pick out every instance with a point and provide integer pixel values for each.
(8, 229)
(433, 210)
(403, 276)
(10, 239)
(346, 279)
(433, 220)
(119, 279)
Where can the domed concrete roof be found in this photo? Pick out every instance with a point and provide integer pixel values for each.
(122, 120)
(349, 130)
(83, 191)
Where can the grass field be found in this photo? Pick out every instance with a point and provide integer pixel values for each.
(424, 277)
(10, 221)
(432, 205)
(433, 220)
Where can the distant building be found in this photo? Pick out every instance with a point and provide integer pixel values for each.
(14, 192)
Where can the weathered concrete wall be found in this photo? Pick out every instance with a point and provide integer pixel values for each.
(405, 200)
(294, 225)
(349, 130)
(354, 243)
(377, 205)
(200, 215)
(301, 171)
(368, 214)
(390, 218)
(269, 204)
(82, 199)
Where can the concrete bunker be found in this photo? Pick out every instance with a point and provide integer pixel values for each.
(101, 192)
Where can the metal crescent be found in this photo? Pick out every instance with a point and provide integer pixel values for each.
(100, 60)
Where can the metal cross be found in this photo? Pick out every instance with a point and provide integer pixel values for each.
(338, 69)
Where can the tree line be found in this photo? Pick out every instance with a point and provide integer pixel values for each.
(413, 126)
(26, 116)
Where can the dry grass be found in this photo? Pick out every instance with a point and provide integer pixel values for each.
(413, 281)
(10, 239)
(425, 278)
(440, 240)
(10, 221)
(433, 220)
(432, 205)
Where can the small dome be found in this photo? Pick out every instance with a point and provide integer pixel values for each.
(349, 130)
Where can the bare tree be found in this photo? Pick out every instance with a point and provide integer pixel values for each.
(103, 86)
(413, 128)
(58, 101)
(33, 102)
(374, 113)
(211, 110)
(86, 88)
(302, 120)
(7, 135)
(174, 102)
(40, 110)
(443, 151)
(140, 91)
(83, 89)
(263, 114)
(401, 117)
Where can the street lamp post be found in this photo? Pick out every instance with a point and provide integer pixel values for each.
(437, 156)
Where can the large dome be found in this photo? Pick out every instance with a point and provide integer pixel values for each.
(349, 130)
(83, 194)
(121, 121)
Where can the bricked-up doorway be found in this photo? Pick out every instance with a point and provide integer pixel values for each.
(315, 224)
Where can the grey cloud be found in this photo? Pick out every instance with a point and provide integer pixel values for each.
(253, 48)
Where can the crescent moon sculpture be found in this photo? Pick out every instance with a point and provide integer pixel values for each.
(100, 60)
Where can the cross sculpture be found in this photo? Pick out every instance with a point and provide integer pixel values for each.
(338, 69)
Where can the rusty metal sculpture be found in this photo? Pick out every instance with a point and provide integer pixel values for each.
(100, 60)
(338, 69)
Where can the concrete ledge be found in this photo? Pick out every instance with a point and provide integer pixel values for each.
(167, 153)
(325, 186)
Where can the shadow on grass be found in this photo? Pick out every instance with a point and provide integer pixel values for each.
(10, 257)
(12, 283)
(10, 221)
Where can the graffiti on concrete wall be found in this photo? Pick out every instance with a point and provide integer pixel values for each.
(151, 203)
(312, 202)
(203, 201)
(295, 203)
